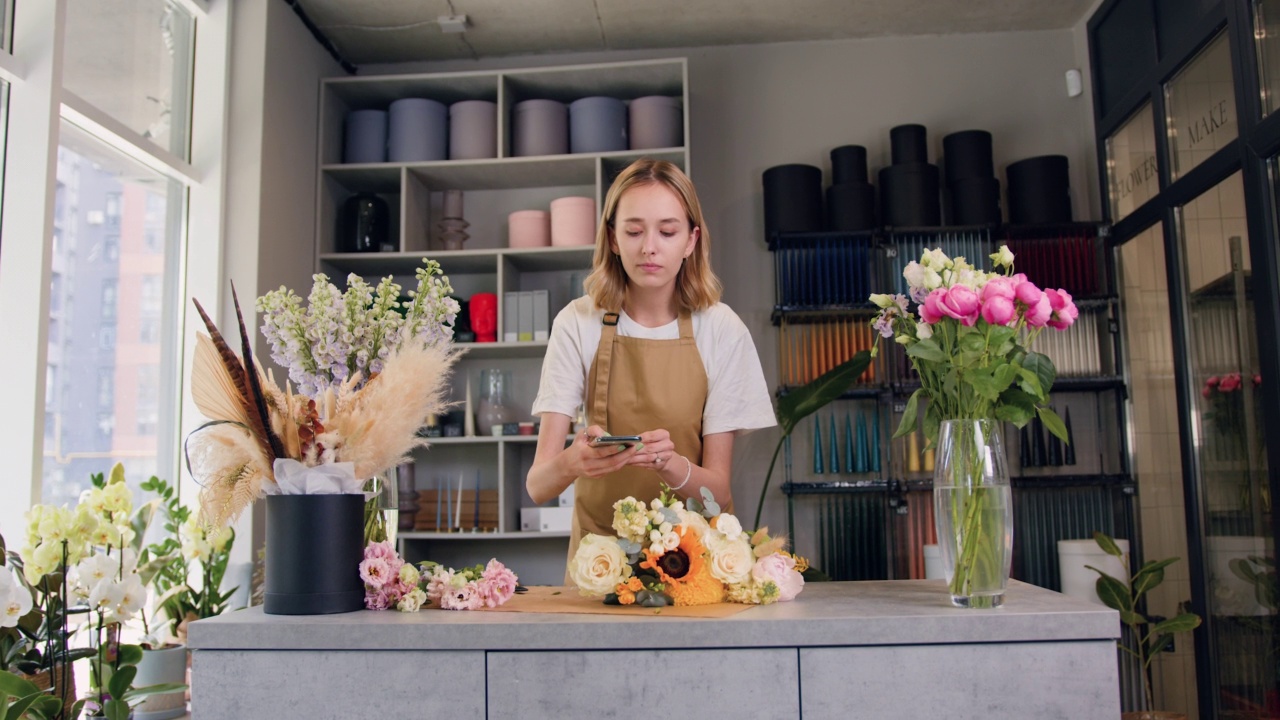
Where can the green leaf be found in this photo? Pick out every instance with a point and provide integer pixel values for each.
(908, 423)
(130, 654)
(1005, 375)
(19, 707)
(121, 680)
(116, 710)
(1030, 383)
(1042, 366)
(1185, 622)
(973, 342)
(1131, 618)
(14, 686)
(1112, 592)
(1000, 339)
(932, 424)
(1159, 645)
(1053, 423)
(813, 396)
(983, 382)
(927, 350)
(1015, 406)
(148, 691)
(47, 705)
(1108, 545)
(1150, 575)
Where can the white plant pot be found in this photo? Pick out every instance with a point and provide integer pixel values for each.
(933, 563)
(167, 665)
(1077, 579)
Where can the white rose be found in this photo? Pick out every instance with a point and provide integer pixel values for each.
(729, 526)
(670, 541)
(695, 522)
(598, 566)
(731, 560)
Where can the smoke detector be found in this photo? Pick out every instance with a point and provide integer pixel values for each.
(452, 23)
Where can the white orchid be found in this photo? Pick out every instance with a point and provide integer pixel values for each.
(15, 599)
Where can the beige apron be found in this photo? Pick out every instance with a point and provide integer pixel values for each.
(635, 385)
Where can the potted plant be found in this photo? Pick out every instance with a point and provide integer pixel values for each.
(1124, 598)
(84, 563)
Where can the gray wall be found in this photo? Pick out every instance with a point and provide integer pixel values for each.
(752, 107)
(276, 67)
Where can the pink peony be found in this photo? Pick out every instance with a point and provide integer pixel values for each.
(1038, 315)
(1257, 380)
(1213, 381)
(1064, 309)
(961, 303)
(1027, 293)
(1204, 391)
(375, 572)
(930, 312)
(998, 287)
(1230, 383)
(998, 310)
(781, 569)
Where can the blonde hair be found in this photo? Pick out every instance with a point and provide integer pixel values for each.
(697, 287)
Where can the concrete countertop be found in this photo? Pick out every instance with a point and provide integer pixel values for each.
(890, 612)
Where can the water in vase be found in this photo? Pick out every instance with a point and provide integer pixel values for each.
(975, 537)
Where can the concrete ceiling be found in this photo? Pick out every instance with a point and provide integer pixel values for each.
(389, 31)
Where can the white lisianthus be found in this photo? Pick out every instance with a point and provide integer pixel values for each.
(924, 331)
(884, 300)
(970, 278)
(409, 574)
(731, 558)
(932, 280)
(903, 339)
(914, 274)
(1002, 257)
(411, 601)
(598, 566)
(15, 599)
(935, 259)
(670, 541)
(728, 525)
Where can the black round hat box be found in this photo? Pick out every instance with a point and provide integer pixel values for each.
(848, 165)
(967, 154)
(909, 195)
(1039, 190)
(792, 199)
(974, 201)
(908, 144)
(315, 544)
(851, 207)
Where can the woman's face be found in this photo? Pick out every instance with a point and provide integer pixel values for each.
(651, 234)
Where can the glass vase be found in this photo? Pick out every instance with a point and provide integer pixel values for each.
(382, 511)
(973, 512)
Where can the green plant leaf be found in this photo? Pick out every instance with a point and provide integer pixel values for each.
(1005, 375)
(1159, 645)
(20, 706)
(14, 686)
(973, 341)
(47, 705)
(1001, 339)
(1042, 366)
(116, 710)
(927, 350)
(130, 654)
(1150, 575)
(148, 691)
(1112, 592)
(1015, 406)
(121, 680)
(1108, 545)
(1053, 423)
(983, 382)
(908, 423)
(813, 396)
(1185, 622)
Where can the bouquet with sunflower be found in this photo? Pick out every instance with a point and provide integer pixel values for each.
(672, 552)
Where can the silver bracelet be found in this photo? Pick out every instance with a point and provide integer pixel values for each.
(687, 473)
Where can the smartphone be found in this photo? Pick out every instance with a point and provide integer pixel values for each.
(625, 440)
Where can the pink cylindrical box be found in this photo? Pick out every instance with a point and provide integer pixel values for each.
(573, 221)
(528, 228)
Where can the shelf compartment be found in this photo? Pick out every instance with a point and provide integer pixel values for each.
(821, 269)
(624, 80)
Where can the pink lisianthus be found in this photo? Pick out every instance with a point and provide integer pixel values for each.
(499, 583)
(781, 569)
(376, 600)
(930, 311)
(375, 572)
(466, 597)
(1064, 309)
(1038, 315)
(380, 550)
(960, 302)
(998, 310)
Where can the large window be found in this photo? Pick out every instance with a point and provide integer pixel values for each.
(114, 118)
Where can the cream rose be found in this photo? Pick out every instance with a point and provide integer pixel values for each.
(598, 566)
(728, 525)
(731, 559)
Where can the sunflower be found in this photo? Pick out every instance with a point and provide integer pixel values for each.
(684, 571)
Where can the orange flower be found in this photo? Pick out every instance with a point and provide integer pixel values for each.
(625, 596)
(697, 588)
(634, 584)
(696, 585)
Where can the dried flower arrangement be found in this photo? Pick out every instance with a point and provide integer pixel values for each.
(369, 369)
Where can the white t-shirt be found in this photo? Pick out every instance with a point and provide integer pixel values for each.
(737, 396)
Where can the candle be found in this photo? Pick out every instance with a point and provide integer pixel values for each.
(457, 517)
(448, 508)
(453, 203)
(476, 525)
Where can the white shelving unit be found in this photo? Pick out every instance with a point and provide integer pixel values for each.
(493, 188)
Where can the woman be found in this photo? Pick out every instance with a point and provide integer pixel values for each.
(649, 351)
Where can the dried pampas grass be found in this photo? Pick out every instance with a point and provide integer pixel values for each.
(229, 463)
(376, 427)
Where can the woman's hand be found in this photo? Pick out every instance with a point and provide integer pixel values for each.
(656, 451)
(582, 459)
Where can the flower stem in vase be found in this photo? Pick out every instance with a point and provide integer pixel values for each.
(971, 495)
